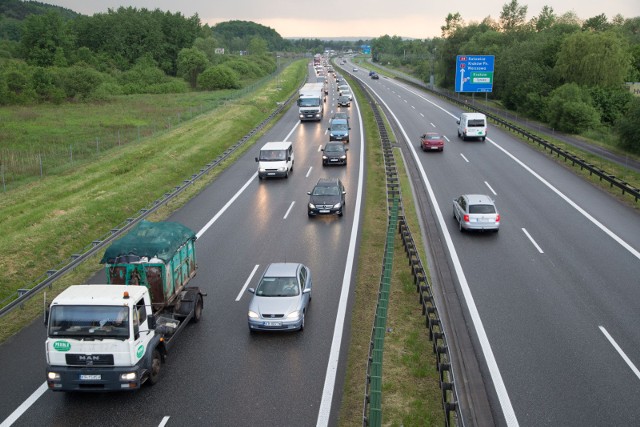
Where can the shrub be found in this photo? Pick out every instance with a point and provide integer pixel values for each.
(570, 109)
(628, 125)
(218, 77)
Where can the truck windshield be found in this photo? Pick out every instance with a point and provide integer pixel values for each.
(309, 102)
(93, 322)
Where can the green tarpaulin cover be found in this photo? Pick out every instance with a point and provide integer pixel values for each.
(150, 239)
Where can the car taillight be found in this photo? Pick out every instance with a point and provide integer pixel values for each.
(498, 218)
(466, 218)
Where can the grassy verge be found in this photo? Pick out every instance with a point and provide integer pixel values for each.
(411, 395)
(47, 221)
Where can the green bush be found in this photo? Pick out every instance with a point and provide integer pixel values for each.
(628, 126)
(79, 81)
(218, 77)
(570, 109)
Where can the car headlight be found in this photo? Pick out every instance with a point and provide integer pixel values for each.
(53, 376)
(324, 157)
(312, 206)
(343, 157)
(338, 205)
(294, 315)
(129, 376)
(253, 315)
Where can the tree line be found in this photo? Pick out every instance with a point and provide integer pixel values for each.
(558, 69)
(52, 54)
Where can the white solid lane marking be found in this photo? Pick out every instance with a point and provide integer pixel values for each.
(246, 284)
(25, 405)
(289, 210)
(465, 159)
(620, 352)
(526, 233)
(164, 421)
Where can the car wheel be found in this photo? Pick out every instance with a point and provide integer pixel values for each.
(483, 138)
(302, 324)
(286, 175)
(460, 226)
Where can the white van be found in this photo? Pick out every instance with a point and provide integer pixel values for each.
(275, 160)
(472, 125)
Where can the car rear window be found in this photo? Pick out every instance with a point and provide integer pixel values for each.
(482, 209)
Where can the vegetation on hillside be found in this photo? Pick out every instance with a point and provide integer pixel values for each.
(557, 69)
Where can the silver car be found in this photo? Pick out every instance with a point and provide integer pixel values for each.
(476, 212)
(281, 299)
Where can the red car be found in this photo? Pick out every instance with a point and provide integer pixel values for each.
(431, 141)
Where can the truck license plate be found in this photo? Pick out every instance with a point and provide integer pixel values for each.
(90, 377)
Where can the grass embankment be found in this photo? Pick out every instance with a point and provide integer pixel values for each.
(410, 390)
(45, 222)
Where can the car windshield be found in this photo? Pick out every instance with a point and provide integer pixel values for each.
(334, 148)
(278, 287)
(325, 191)
(482, 209)
(273, 155)
(339, 126)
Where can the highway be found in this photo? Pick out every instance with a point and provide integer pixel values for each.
(220, 374)
(552, 299)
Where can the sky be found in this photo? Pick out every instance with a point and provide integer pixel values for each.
(353, 18)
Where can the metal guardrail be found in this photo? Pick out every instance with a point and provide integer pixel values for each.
(613, 181)
(56, 272)
(372, 411)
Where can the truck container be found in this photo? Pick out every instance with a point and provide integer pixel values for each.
(116, 336)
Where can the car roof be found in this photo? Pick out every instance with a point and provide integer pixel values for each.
(282, 269)
(478, 199)
(327, 182)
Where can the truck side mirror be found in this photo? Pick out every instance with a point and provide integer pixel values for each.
(46, 316)
(151, 320)
(257, 159)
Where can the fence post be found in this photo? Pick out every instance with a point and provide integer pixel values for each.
(40, 159)
(4, 185)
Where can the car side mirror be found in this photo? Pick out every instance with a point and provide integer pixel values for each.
(458, 121)
(251, 291)
(346, 149)
(309, 192)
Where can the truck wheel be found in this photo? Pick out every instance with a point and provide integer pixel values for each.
(156, 366)
(197, 311)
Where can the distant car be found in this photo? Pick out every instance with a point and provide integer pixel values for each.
(431, 141)
(346, 93)
(327, 198)
(341, 115)
(334, 153)
(476, 212)
(355, 69)
(281, 299)
(375, 76)
(344, 101)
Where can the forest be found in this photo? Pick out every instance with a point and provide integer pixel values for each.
(51, 54)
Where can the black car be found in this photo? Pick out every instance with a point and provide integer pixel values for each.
(375, 76)
(334, 153)
(344, 101)
(327, 197)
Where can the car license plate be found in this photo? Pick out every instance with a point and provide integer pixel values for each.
(271, 173)
(324, 211)
(272, 323)
(434, 148)
(90, 377)
(334, 160)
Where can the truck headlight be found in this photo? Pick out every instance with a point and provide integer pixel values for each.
(253, 315)
(53, 376)
(129, 376)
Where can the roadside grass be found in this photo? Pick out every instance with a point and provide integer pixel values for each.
(410, 389)
(48, 220)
